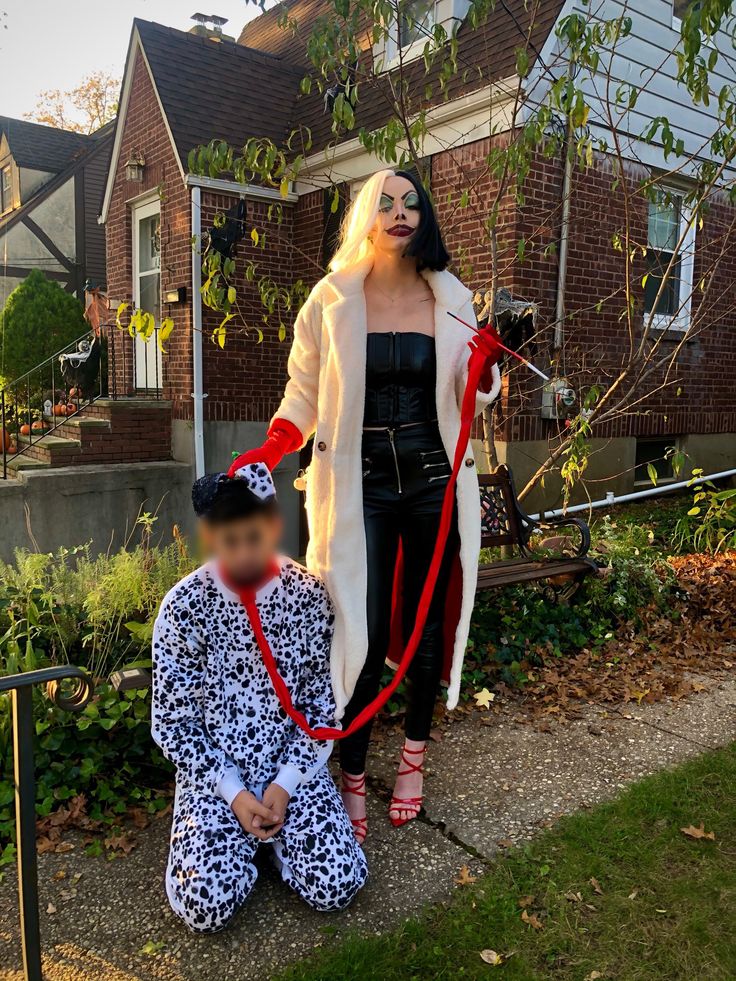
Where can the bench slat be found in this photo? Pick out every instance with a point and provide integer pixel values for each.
(513, 570)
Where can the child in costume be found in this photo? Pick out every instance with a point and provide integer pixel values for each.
(246, 774)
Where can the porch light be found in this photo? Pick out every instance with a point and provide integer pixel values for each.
(134, 166)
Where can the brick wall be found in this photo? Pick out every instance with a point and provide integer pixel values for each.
(245, 380)
(697, 397)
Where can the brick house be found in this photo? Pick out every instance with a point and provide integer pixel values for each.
(183, 89)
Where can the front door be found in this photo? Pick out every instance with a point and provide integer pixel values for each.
(147, 290)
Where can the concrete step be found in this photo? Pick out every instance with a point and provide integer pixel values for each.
(53, 442)
(22, 462)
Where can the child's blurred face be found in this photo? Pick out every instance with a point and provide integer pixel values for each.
(243, 547)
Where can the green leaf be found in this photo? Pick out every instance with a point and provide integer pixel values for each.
(652, 471)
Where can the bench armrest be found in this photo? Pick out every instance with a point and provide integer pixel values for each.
(531, 526)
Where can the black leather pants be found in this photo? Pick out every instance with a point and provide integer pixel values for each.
(405, 472)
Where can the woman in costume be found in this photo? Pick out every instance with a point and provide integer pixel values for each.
(377, 372)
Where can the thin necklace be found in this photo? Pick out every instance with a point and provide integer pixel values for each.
(393, 299)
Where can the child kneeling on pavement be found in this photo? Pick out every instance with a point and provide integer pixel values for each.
(245, 774)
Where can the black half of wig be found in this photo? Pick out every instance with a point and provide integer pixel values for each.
(426, 245)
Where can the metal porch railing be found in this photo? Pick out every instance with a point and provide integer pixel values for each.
(37, 403)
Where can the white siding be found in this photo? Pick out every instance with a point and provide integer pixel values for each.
(644, 59)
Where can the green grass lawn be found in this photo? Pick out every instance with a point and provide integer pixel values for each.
(666, 909)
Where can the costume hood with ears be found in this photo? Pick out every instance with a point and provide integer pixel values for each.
(325, 395)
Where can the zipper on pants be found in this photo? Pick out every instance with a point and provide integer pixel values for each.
(396, 459)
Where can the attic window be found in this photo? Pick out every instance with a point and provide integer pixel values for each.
(6, 189)
(412, 28)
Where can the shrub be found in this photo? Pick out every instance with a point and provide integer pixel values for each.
(98, 613)
(38, 319)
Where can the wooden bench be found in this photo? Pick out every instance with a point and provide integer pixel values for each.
(504, 523)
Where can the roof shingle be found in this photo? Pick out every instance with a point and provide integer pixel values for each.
(40, 147)
(218, 89)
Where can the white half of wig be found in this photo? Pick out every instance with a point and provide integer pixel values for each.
(358, 222)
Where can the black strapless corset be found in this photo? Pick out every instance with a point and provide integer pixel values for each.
(401, 373)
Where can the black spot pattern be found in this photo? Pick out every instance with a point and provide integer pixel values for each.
(214, 709)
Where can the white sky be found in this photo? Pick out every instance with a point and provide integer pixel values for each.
(53, 44)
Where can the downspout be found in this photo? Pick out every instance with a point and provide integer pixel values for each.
(564, 240)
(197, 375)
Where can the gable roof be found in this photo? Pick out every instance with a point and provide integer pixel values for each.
(39, 147)
(217, 89)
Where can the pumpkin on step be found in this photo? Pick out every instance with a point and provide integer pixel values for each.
(5, 440)
(59, 409)
(25, 429)
(38, 426)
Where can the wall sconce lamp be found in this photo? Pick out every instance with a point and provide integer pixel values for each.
(179, 295)
(134, 166)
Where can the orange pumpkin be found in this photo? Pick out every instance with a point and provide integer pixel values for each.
(38, 426)
(71, 408)
(74, 393)
(12, 449)
(59, 409)
(25, 429)
(5, 440)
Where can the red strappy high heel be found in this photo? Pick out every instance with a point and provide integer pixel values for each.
(360, 825)
(407, 803)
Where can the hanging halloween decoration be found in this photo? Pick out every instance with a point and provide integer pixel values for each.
(225, 237)
(80, 368)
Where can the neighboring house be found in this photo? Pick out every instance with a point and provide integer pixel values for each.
(51, 184)
(182, 89)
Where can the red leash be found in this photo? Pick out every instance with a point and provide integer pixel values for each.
(247, 597)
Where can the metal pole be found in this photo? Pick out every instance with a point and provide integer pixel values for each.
(197, 369)
(25, 817)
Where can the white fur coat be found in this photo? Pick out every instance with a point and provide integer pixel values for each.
(325, 395)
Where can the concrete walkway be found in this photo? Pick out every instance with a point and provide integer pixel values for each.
(490, 781)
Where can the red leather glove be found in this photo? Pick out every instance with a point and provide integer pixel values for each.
(486, 346)
(283, 437)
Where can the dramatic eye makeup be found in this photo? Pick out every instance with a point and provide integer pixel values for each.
(410, 199)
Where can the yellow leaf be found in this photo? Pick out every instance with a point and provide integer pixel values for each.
(167, 325)
(483, 698)
(254, 236)
(232, 294)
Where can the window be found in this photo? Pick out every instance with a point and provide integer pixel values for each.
(6, 189)
(414, 24)
(657, 453)
(147, 290)
(668, 282)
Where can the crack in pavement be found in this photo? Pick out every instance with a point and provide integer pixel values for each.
(384, 793)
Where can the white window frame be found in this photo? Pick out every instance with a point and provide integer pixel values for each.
(681, 320)
(408, 52)
(6, 207)
(676, 21)
(148, 361)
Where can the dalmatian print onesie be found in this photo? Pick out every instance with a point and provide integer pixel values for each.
(216, 717)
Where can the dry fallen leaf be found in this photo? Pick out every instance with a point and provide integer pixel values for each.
(692, 832)
(532, 919)
(573, 897)
(634, 894)
(483, 698)
(495, 959)
(61, 874)
(525, 901)
(593, 976)
(505, 843)
(596, 886)
(465, 878)
(51, 908)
